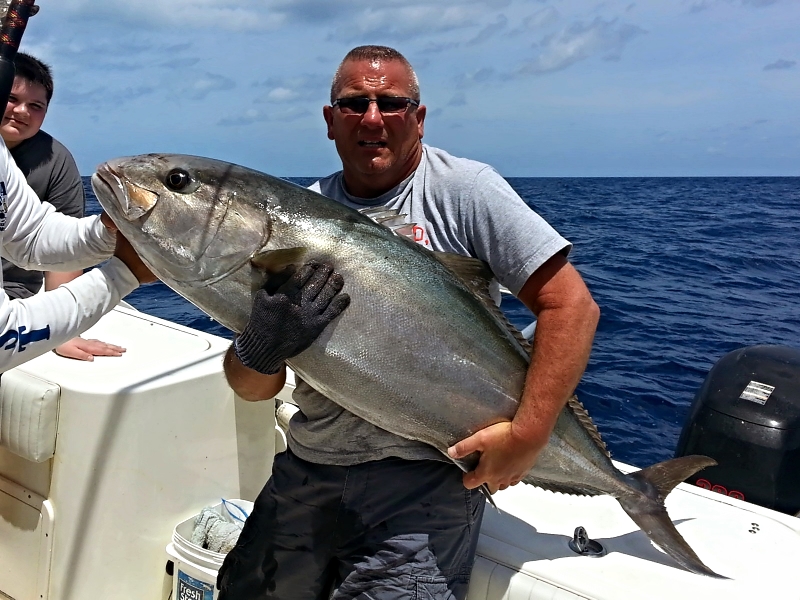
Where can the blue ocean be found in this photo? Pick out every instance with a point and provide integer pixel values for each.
(685, 270)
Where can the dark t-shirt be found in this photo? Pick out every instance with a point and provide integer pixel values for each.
(51, 171)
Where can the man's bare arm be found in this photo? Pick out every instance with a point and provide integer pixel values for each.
(249, 384)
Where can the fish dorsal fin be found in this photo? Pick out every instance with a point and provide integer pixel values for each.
(405, 230)
(477, 275)
(379, 212)
(585, 420)
(391, 218)
(392, 221)
(472, 271)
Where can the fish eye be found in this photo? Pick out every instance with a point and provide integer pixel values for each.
(177, 180)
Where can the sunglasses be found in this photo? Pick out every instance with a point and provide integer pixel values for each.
(387, 105)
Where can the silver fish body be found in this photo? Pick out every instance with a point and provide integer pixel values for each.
(419, 351)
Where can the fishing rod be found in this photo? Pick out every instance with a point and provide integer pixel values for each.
(14, 24)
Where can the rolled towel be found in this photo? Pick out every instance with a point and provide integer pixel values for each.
(213, 532)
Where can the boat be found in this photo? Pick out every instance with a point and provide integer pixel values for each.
(101, 461)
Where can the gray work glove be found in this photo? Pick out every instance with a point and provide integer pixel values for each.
(287, 322)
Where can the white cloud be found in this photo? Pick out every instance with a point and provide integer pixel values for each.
(458, 99)
(357, 17)
(102, 97)
(481, 76)
(701, 5)
(542, 18)
(303, 88)
(406, 21)
(303, 11)
(252, 116)
(207, 84)
(489, 31)
(438, 47)
(180, 63)
(282, 94)
(236, 15)
(579, 42)
(247, 118)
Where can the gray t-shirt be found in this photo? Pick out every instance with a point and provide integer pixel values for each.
(50, 170)
(460, 206)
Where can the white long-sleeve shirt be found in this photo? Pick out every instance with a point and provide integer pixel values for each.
(33, 234)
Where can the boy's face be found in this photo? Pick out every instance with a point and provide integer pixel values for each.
(25, 112)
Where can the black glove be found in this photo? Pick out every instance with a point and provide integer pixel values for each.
(287, 322)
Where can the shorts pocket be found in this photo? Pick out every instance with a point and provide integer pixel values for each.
(432, 588)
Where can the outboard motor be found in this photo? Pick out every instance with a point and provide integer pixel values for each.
(746, 416)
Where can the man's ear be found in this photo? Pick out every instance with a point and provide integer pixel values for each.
(327, 113)
(421, 111)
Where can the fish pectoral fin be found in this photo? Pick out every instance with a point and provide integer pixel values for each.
(275, 261)
(272, 268)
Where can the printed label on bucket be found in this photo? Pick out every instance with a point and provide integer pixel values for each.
(190, 588)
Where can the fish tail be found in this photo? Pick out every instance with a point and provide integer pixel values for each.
(648, 512)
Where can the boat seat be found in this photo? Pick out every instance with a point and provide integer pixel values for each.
(28, 415)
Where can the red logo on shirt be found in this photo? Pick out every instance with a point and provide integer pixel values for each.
(420, 237)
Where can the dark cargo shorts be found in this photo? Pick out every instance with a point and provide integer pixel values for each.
(387, 530)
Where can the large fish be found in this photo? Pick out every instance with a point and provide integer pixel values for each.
(421, 351)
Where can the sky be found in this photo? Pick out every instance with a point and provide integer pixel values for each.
(536, 88)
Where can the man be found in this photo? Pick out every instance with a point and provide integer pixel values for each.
(352, 507)
(50, 170)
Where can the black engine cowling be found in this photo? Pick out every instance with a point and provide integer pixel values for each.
(746, 416)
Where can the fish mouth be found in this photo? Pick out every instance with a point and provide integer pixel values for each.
(133, 201)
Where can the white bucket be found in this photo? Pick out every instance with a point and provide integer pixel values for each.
(195, 571)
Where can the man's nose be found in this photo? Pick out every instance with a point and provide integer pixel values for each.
(373, 116)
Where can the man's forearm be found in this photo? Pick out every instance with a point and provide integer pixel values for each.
(561, 349)
(567, 318)
(249, 384)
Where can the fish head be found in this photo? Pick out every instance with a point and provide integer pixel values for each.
(192, 220)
